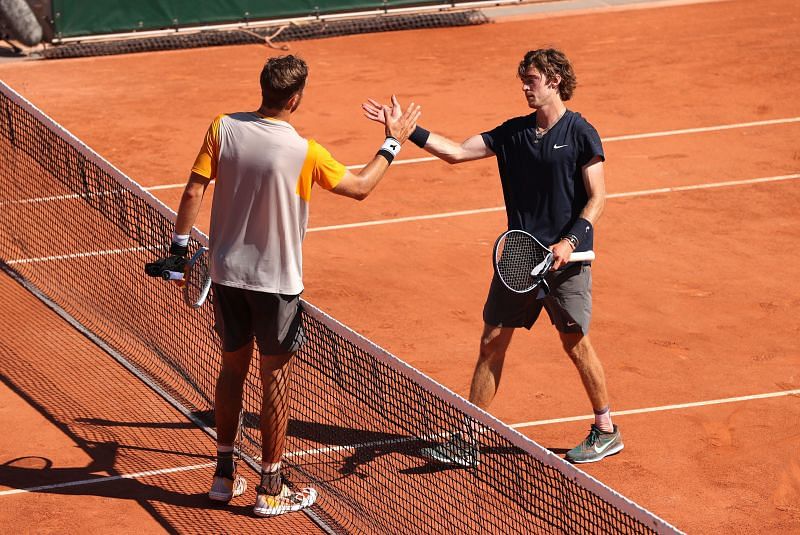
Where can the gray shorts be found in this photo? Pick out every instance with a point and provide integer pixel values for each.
(274, 320)
(569, 303)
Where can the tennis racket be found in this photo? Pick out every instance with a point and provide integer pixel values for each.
(196, 278)
(522, 262)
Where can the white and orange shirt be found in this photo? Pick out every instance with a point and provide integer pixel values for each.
(264, 171)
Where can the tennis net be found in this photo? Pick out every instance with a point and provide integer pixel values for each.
(268, 32)
(77, 232)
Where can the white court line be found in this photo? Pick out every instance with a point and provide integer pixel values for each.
(79, 255)
(639, 193)
(333, 449)
(406, 219)
(433, 158)
(67, 197)
(662, 408)
(443, 215)
(106, 479)
(611, 139)
(378, 443)
(641, 136)
(47, 199)
(699, 130)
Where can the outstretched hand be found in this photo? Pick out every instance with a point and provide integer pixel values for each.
(397, 123)
(374, 111)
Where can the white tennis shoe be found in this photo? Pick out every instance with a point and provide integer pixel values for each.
(224, 489)
(285, 502)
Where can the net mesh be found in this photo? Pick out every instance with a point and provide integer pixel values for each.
(275, 34)
(80, 232)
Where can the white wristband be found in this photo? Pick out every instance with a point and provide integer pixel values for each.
(180, 239)
(392, 146)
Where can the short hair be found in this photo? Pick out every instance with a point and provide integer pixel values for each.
(281, 78)
(551, 62)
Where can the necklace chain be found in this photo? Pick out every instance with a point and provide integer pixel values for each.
(539, 132)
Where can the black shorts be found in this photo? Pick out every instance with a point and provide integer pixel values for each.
(569, 303)
(274, 320)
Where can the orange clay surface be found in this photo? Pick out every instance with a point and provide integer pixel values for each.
(696, 291)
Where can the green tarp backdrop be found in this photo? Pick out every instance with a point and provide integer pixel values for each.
(73, 18)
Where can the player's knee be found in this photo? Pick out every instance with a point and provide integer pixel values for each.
(273, 363)
(234, 368)
(491, 348)
(577, 347)
(231, 378)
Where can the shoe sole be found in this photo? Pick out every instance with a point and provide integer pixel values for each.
(610, 451)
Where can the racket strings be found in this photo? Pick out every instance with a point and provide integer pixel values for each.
(519, 256)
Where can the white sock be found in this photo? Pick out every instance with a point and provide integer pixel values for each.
(602, 419)
(270, 468)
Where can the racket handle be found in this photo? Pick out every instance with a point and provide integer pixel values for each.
(583, 256)
(172, 275)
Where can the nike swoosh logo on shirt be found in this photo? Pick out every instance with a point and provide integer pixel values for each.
(557, 146)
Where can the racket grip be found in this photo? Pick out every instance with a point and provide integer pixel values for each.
(583, 256)
(172, 275)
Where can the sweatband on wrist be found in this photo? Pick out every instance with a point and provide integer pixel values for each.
(179, 245)
(419, 137)
(178, 250)
(390, 149)
(180, 239)
(581, 230)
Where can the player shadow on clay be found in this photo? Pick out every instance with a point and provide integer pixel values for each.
(111, 461)
(357, 449)
(37, 472)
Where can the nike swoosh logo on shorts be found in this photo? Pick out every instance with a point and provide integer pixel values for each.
(557, 146)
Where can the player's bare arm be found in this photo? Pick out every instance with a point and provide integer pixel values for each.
(191, 200)
(473, 148)
(398, 125)
(595, 183)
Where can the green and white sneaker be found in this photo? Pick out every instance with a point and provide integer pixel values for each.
(596, 446)
(456, 451)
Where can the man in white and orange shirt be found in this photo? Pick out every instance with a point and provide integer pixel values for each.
(264, 172)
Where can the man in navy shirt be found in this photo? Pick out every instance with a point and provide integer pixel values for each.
(551, 169)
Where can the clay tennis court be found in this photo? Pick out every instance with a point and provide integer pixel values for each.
(694, 284)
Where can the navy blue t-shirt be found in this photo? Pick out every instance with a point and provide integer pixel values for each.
(543, 182)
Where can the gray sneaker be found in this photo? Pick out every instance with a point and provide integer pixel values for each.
(456, 451)
(596, 446)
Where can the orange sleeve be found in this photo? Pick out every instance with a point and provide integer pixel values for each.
(206, 162)
(319, 167)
